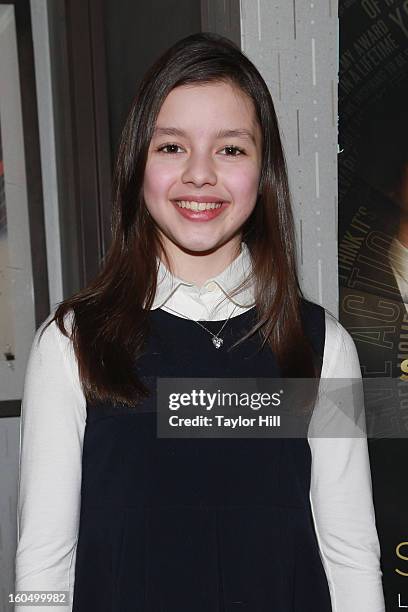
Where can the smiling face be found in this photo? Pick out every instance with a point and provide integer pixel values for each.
(206, 148)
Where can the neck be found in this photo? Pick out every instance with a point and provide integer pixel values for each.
(197, 267)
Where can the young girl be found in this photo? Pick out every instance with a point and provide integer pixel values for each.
(200, 281)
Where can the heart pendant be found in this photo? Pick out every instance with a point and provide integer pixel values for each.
(217, 342)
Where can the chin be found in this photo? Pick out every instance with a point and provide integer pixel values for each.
(197, 246)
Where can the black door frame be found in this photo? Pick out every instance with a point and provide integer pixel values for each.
(82, 127)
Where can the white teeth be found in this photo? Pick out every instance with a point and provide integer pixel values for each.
(198, 205)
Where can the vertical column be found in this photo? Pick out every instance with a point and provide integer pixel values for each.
(294, 45)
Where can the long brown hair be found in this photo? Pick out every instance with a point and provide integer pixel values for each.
(110, 319)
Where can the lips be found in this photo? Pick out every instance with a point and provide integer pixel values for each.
(200, 215)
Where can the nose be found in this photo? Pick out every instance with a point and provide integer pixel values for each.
(199, 170)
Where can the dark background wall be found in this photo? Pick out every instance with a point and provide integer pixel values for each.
(135, 37)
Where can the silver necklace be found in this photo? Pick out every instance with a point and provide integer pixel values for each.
(216, 338)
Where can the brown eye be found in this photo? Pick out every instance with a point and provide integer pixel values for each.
(166, 146)
(234, 150)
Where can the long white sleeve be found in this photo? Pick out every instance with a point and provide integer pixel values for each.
(341, 497)
(51, 436)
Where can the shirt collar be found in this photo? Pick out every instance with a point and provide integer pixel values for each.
(238, 270)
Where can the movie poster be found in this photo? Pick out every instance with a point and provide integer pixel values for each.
(373, 245)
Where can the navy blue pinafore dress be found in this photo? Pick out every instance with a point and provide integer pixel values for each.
(196, 524)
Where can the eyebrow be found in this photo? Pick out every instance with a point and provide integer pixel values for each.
(238, 133)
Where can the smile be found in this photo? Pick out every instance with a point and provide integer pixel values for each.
(199, 211)
(198, 205)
